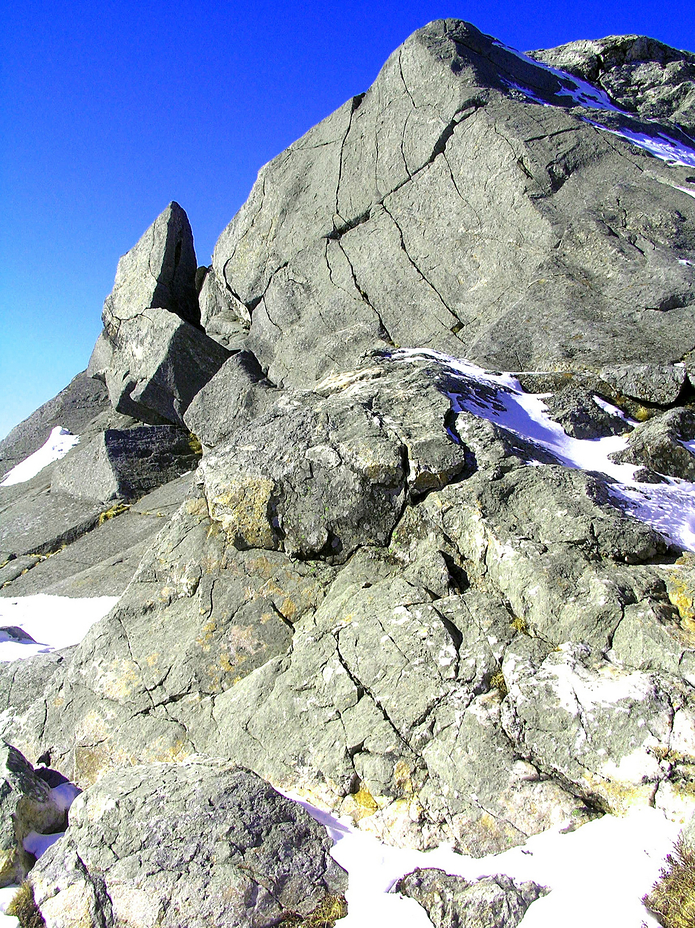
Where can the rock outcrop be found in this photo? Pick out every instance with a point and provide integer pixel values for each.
(250, 857)
(453, 605)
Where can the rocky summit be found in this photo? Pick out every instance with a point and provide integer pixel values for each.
(397, 498)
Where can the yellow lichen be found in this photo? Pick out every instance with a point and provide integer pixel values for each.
(520, 624)
(23, 907)
(111, 513)
(325, 915)
(365, 800)
(194, 444)
(497, 682)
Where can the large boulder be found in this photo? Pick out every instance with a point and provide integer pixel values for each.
(159, 363)
(446, 207)
(185, 846)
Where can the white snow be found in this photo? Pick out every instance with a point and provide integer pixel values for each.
(660, 145)
(37, 844)
(669, 507)
(580, 92)
(577, 92)
(52, 621)
(597, 874)
(57, 445)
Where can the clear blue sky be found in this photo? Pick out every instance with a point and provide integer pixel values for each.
(110, 110)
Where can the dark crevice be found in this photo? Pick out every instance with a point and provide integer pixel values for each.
(383, 331)
(356, 101)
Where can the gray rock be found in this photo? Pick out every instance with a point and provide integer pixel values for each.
(452, 902)
(651, 383)
(159, 363)
(601, 728)
(22, 681)
(236, 395)
(40, 522)
(638, 73)
(125, 465)
(73, 408)
(101, 561)
(223, 316)
(25, 805)
(15, 567)
(658, 444)
(158, 271)
(250, 856)
(381, 226)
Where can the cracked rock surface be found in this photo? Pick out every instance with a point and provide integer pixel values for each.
(185, 846)
(445, 210)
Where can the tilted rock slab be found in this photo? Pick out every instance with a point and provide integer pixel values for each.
(445, 208)
(159, 363)
(158, 271)
(183, 846)
(153, 355)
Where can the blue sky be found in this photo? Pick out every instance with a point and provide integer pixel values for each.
(108, 111)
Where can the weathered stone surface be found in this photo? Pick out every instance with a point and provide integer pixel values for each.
(125, 465)
(15, 567)
(323, 472)
(159, 364)
(445, 209)
(158, 271)
(237, 394)
(223, 316)
(651, 383)
(40, 521)
(658, 444)
(25, 805)
(452, 902)
(602, 728)
(640, 74)
(249, 857)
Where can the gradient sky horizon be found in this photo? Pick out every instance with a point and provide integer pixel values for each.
(109, 111)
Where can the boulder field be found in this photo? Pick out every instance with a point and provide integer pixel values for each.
(351, 566)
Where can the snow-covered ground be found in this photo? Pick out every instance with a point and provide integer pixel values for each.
(52, 621)
(597, 874)
(56, 446)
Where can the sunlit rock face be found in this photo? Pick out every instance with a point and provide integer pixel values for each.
(477, 202)
(452, 602)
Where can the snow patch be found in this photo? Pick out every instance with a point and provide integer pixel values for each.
(668, 507)
(597, 874)
(57, 445)
(52, 622)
